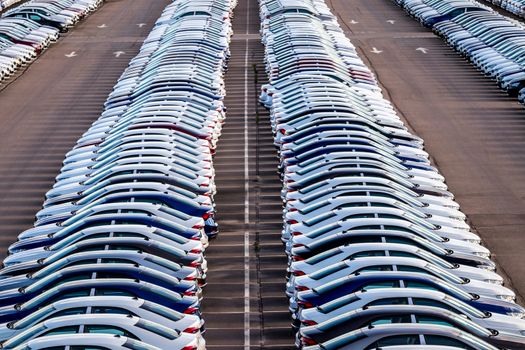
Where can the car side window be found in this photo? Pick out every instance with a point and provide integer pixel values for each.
(408, 268)
(391, 320)
(101, 329)
(445, 341)
(432, 320)
(430, 302)
(35, 17)
(395, 340)
(376, 268)
(412, 284)
(67, 312)
(385, 284)
(389, 301)
(368, 253)
(61, 330)
(103, 291)
(110, 310)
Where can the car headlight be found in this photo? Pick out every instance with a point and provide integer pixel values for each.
(510, 298)
(482, 254)
(494, 281)
(486, 267)
(518, 315)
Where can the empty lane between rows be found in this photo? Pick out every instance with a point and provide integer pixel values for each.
(46, 109)
(474, 132)
(245, 305)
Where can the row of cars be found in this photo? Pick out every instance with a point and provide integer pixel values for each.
(492, 42)
(516, 7)
(379, 254)
(28, 29)
(7, 3)
(115, 259)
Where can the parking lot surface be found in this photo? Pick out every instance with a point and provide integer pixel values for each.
(46, 109)
(473, 131)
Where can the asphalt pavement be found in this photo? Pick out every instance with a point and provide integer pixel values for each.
(474, 132)
(44, 110)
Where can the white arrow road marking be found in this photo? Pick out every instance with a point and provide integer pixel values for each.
(141, 25)
(391, 21)
(72, 54)
(118, 53)
(102, 26)
(353, 22)
(375, 50)
(422, 49)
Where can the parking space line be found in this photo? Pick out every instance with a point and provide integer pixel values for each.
(246, 194)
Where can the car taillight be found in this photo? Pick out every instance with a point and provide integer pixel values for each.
(298, 273)
(308, 341)
(309, 323)
(282, 131)
(298, 245)
(195, 238)
(291, 222)
(297, 258)
(196, 251)
(189, 347)
(305, 304)
(195, 264)
(197, 226)
(191, 330)
(301, 288)
(191, 310)
(190, 278)
(190, 293)
(296, 233)
(206, 216)
(292, 209)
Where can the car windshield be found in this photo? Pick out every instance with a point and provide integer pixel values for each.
(464, 307)
(158, 329)
(136, 345)
(322, 256)
(107, 329)
(161, 310)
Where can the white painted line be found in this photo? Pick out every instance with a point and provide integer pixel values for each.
(102, 26)
(247, 340)
(375, 50)
(422, 49)
(72, 54)
(141, 25)
(118, 53)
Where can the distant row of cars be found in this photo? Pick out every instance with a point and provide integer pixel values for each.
(492, 42)
(516, 7)
(28, 29)
(7, 3)
(380, 255)
(115, 259)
